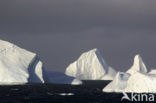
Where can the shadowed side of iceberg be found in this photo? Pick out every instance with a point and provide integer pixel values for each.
(18, 66)
(35, 71)
(60, 78)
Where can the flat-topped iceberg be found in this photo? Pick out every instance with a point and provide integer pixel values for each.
(90, 66)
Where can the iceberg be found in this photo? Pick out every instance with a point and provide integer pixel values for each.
(110, 75)
(118, 84)
(138, 65)
(137, 83)
(153, 71)
(61, 78)
(136, 79)
(18, 66)
(90, 66)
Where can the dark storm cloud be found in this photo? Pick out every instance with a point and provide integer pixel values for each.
(71, 15)
(60, 30)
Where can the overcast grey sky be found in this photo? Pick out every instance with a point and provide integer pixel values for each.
(60, 30)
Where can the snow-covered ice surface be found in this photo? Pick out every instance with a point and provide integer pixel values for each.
(118, 84)
(18, 66)
(153, 71)
(60, 78)
(137, 83)
(138, 65)
(142, 82)
(91, 66)
(137, 79)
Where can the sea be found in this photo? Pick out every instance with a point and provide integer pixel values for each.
(88, 92)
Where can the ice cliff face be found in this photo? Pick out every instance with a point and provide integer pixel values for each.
(90, 66)
(138, 65)
(18, 66)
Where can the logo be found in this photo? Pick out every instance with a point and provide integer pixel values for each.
(140, 97)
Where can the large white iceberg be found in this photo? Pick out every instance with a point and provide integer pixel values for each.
(18, 66)
(138, 83)
(91, 66)
(138, 65)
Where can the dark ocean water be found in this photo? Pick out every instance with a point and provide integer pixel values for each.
(89, 92)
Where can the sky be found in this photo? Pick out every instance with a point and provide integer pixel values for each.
(59, 31)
